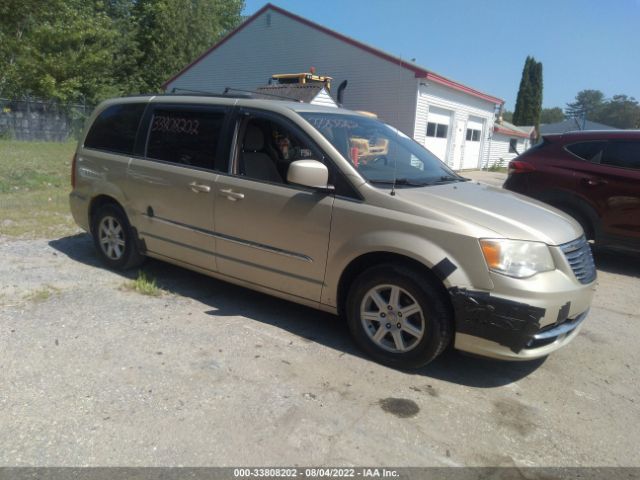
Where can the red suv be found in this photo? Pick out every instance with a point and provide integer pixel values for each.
(594, 176)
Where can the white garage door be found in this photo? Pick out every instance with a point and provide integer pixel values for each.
(438, 131)
(473, 143)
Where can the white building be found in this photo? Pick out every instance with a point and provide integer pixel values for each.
(452, 120)
(507, 142)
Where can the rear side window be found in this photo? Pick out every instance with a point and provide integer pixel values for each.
(589, 151)
(185, 137)
(622, 154)
(115, 129)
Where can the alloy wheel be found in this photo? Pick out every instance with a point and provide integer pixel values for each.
(111, 237)
(392, 318)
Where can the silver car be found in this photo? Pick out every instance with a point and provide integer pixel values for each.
(337, 211)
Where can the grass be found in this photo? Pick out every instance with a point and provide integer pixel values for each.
(42, 294)
(497, 168)
(144, 285)
(34, 188)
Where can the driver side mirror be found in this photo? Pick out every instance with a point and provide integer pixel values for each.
(309, 173)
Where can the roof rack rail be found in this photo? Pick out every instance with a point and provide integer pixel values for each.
(225, 94)
(253, 93)
(229, 93)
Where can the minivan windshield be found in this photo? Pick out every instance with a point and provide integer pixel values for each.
(381, 153)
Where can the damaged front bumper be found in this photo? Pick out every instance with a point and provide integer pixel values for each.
(518, 328)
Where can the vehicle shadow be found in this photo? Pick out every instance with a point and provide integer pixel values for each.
(224, 299)
(617, 261)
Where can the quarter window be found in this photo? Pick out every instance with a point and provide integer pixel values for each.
(438, 130)
(185, 137)
(622, 154)
(115, 129)
(589, 151)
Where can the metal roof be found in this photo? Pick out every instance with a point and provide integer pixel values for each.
(572, 124)
(512, 130)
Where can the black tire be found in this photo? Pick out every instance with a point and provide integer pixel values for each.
(128, 256)
(435, 318)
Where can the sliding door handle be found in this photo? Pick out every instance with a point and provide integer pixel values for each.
(231, 195)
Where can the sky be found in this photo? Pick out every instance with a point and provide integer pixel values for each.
(582, 44)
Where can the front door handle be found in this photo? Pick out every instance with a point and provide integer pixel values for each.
(594, 182)
(196, 187)
(231, 195)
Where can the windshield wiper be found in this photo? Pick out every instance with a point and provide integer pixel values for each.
(447, 179)
(399, 181)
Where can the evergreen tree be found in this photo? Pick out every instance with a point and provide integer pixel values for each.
(536, 87)
(524, 93)
(529, 100)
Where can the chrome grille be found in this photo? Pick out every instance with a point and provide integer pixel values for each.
(578, 254)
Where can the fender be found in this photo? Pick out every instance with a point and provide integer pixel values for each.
(419, 248)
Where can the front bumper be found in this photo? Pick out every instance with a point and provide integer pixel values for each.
(545, 341)
(524, 319)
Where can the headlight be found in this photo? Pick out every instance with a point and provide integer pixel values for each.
(516, 258)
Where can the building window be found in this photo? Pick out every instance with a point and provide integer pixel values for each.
(513, 146)
(438, 130)
(473, 135)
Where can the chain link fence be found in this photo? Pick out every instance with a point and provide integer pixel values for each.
(43, 120)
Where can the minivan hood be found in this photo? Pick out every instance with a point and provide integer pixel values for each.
(508, 214)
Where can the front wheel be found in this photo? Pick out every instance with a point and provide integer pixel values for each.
(114, 239)
(399, 317)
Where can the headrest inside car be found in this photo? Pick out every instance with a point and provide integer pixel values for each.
(253, 139)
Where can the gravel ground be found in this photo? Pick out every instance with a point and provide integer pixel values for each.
(209, 374)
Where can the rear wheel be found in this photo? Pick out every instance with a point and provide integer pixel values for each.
(114, 239)
(398, 316)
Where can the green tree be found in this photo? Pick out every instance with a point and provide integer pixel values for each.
(551, 115)
(537, 87)
(74, 50)
(587, 102)
(17, 18)
(172, 33)
(524, 93)
(57, 49)
(126, 71)
(529, 100)
(620, 112)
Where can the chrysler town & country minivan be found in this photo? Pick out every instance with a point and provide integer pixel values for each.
(337, 211)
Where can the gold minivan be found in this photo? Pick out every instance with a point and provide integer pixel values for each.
(278, 196)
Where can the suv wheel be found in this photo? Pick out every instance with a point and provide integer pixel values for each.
(398, 316)
(114, 239)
